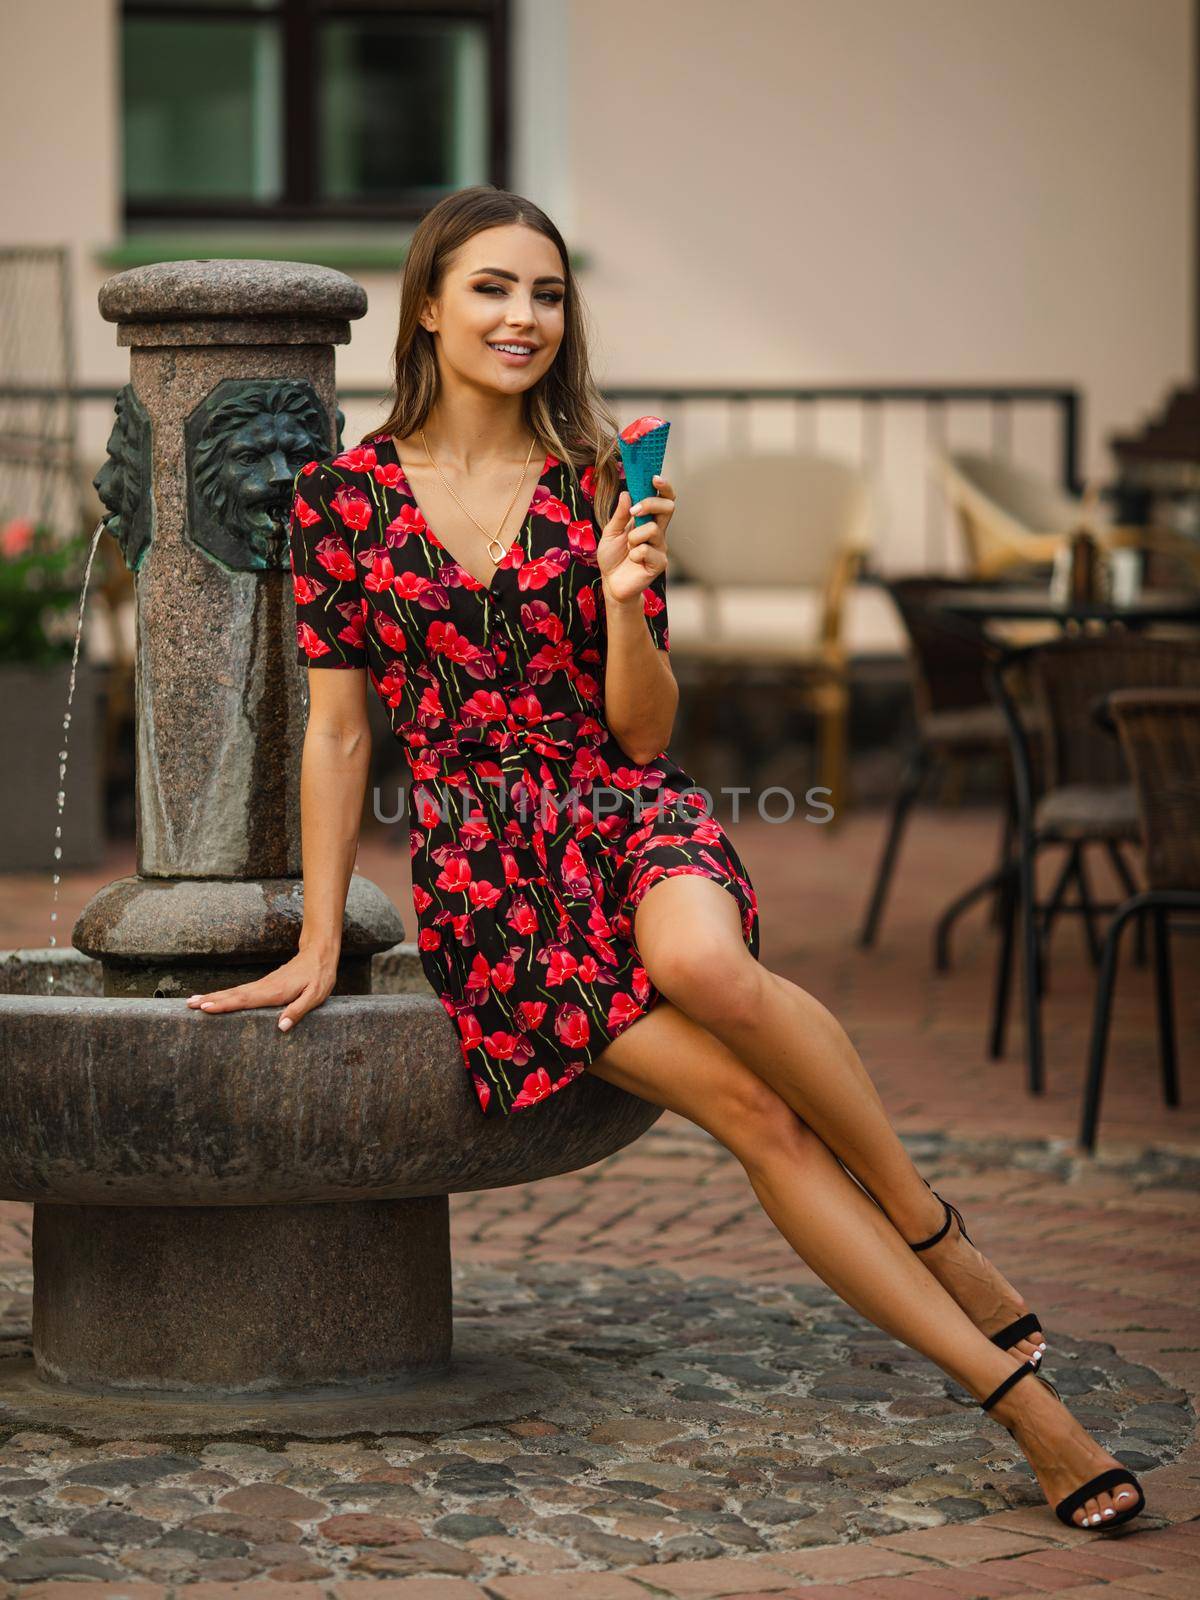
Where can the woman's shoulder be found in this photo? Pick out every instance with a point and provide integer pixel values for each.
(345, 465)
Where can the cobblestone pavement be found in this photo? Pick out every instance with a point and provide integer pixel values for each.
(731, 1428)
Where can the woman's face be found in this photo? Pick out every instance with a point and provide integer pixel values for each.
(504, 286)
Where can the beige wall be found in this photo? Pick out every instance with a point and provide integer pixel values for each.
(777, 190)
(59, 146)
(800, 190)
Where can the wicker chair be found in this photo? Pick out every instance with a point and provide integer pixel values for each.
(1160, 736)
(957, 721)
(1010, 519)
(1013, 522)
(773, 541)
(1073, 790)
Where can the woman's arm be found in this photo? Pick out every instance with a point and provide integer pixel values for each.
(640, 692)
(641, 695)
(334, 769)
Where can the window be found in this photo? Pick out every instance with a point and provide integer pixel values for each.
(323, 110)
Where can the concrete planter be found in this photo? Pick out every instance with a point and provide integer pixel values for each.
(33, 701)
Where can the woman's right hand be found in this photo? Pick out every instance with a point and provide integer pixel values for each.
(299, 986)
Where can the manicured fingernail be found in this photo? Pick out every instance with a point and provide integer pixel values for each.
(285, 1023)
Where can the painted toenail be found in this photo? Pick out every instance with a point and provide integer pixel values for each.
(1109, 1512)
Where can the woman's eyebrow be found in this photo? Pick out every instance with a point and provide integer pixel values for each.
(499, 272)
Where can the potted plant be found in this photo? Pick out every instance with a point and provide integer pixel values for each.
(41, 574)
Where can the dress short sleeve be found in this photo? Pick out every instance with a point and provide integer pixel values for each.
(330, 604)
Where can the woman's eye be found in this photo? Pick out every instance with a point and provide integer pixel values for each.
(547, 295)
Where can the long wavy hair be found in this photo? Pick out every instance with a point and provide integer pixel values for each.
(565, 410)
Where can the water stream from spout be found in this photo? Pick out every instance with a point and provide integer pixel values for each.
(61, 795)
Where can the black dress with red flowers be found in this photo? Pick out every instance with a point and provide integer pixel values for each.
(533, 834)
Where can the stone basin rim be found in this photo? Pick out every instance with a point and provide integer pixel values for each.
(120, 1101)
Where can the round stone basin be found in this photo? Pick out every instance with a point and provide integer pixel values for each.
(225, 1208)
(148, 1103)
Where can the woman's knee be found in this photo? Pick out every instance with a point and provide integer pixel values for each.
(717, 985)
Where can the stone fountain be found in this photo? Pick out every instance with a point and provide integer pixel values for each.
(235, 1226)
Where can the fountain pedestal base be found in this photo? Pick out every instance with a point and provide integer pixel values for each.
(242, 1300)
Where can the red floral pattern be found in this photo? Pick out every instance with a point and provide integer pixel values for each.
(529, 856)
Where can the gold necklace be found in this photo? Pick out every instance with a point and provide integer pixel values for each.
(492, 538)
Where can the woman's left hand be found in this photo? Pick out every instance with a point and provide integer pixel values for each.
(630, 558)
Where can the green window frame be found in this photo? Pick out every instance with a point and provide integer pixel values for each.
(292, 115)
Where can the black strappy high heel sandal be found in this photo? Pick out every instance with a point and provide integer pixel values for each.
(1025, 1326)
(1100, 1484)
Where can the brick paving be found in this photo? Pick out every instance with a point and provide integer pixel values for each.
(1104, 1248)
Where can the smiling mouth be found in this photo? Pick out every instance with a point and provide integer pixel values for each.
(506, 347)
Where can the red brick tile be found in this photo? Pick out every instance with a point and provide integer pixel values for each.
(1169, 1585)
(985, 1581)
(397, 1589)
(843, 1563)
(75, 1589)
(918, 1587)
(959, 1543)
(563, 1586)
(700, 1580)
(1096, 1560)
(1034, 1575)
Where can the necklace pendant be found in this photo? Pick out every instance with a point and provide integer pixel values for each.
(497, 559)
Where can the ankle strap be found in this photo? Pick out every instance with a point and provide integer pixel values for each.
(1002, 1389)
(951, 1212)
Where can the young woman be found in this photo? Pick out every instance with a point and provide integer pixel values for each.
(577, 910)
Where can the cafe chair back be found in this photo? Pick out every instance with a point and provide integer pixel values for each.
(766, 553)
(1012, 520)
(957, 722)
(1159, 733)
(1072, 789)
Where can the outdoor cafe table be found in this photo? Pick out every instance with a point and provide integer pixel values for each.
(1000, 602)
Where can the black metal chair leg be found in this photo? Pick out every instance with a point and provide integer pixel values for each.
(1089, 911)
(1003, 983)
(1031, 950)
(1100, 1019)
(915, 770)
(1006, 850)
(1050, 907)
(961, 903)
(1121, 867)
(1166, 1006)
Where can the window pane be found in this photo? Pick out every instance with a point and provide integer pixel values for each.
(404, 105)
(202, 110)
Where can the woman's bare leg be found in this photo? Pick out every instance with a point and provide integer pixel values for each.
(669, 1059)
(687, 928)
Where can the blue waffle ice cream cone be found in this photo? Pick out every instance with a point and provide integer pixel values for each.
(643, 457)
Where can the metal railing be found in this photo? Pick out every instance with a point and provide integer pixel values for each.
(889, 429)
